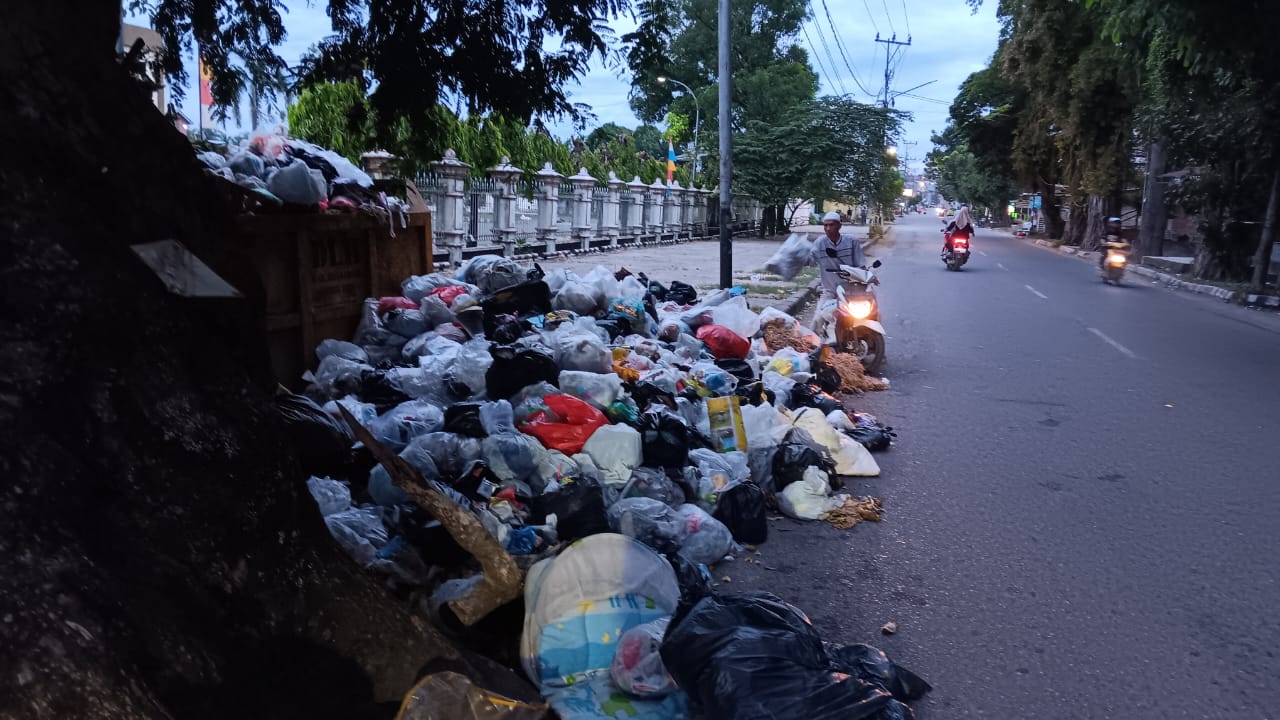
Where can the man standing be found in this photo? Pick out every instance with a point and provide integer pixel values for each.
(831, 251)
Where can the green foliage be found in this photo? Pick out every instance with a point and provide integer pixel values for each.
(335, 116)
(679, 128)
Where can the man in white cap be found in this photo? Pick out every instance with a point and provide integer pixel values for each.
(831, 251)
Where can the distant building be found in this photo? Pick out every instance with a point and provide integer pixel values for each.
(152, 48)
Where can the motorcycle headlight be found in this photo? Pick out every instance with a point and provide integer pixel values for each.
(859, 309)
(1115, 259)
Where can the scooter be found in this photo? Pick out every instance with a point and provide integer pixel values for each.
(958, 255)
(1114, 261)
(857, 316)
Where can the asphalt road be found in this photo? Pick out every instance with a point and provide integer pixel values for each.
(1083, 507)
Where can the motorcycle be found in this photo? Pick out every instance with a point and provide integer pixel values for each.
(857, 316)
(958, 254)
(1115, 257)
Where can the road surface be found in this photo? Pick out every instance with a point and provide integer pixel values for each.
(1083, 508)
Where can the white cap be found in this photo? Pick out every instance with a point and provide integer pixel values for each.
(832, 216)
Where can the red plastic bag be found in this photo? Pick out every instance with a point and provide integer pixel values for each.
(723, 342)
(387, 304)
(448, 293)
(565, 425)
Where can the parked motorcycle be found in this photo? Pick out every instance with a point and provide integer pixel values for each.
(958, 255)
(857, 316)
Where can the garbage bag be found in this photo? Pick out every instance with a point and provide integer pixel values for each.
(436, 311)
(871, 433)
(664, 438)
(650, 521)
(752, 655)
(385, 492)
(330, 495)
(682, 293)
(398, 426)
(359, 531)
(723, 342)
(247, 163)
(810, 395)
(323, 442)
(449, 293)
(637, 667)
(737, 316)
(364, 413)
(791, 256)
(583, 351)
(396, 302)
(342, 349)
(516, 367)
(742, 509)
(464, 419)
(616, 450)
(599, 389)
(707, 380)
(453, 696)
(578, 507)
(810, 498)
(793, 458)
(524, 300)
(703, 539)
(555, 467)
(294, 183)
(577, 297)
(565, 425)
(336, 372)
(450, 452)
(407, 324)
(471, 365)
(718, 472)
(418, 287)
(850, 457)
(653, 483)
(491, 273)
(741, 369)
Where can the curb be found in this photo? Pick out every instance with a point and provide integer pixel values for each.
(808, 294)
(1173, 281)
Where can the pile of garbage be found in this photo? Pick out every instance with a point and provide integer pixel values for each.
(596, 424)
(278, 170)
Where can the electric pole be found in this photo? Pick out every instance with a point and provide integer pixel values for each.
(726, 157)
(890, 51)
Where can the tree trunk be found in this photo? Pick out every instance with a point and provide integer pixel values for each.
(1155, 216)
(160, 555)
(1262, 258)
(1074, 231)
(1095, 223)
(1049, 208)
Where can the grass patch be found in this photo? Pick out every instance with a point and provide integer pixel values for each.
(769, 290)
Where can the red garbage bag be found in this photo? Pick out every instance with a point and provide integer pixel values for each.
(723, 342)
(448, 293)
(565, 425)
(387, 304)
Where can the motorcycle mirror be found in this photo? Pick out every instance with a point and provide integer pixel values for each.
(876, 264)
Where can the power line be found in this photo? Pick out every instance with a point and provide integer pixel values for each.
(840, 46)
(906, 15)
(926, 99)
(831, 58)
(816, 56)
(889, 15)
(871, 17)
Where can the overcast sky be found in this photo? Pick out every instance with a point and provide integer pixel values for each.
(947, 43)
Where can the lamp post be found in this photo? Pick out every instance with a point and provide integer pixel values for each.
(697, 122)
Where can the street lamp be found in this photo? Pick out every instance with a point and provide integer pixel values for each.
(697, 121)
(893, 151)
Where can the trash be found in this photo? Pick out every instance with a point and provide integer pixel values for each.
(577, 297)
(850, 457)
(723, 342)
(650, 521)
(451, 453)
(637, 667)
(727, 431)
(583, 351)
(448, 293)
(472, 364)
(854, 511)
(599, 389)
(735, 315)
(792, 255)
(453, 696)
(810, 395)
(889, 628)
(523, 541)
(809, 498)
(664, 438)
(681, 293)
(751, 655)
(491, 273)
(707, 380)
(852, 377)
(703, 539)
(578, 507)
(516, 367)
(653, 483)
(323, 443)
(331, 495)
(418, 287)
(295, 183)
(616, 450)
(742, 509)
(718, 472)
(871, 433)
(797, 453)
(406, 421)
(342, 349)
(779, 334)
(565, 424)
(739, 368)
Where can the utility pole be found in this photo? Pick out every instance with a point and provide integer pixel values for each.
(890, 50)
(726, 157)
(906, 154)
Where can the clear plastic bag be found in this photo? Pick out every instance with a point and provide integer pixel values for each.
(342, 349)
(417, 287)
(436, 311)
(330, 495)
(471, 364)
(450, 452)
(599, 389)
(653, 483)
(583, 351)
(406, 421)
(736, 315)
(631, 287)
(637, 667)
(360, 533)
(650, 521)
(718, 472)
(794, 253)
(407, 324)
(703, 539)
(491, 273)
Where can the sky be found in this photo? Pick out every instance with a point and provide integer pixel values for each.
(948, 42)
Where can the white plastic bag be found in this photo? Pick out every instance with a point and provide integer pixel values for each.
(599, 389)
(637, 666)
(850, 456)
(616, 450)
(603, 283)
(577, 297)
(294, 183)
(631, 287)
(342, 349)
(471, 364)
(404, 422)
(576, 350)
(765, 426)
(736, 315)
(809, 498)
(794, 254)
(331, 495)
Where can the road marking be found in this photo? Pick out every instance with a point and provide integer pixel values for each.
(982, 253)
(1124, 350)
(1037, 293)
(1002, 267)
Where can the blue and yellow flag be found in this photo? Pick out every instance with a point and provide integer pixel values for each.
(671, 165)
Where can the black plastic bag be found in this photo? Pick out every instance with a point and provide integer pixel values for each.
(825, 375)
(738, 368)
(578, 507)
(377, 390)
(874, 439)
(509, 331)
(464, 419)
(682, 293)
(664, 438)
(793, 457)
(811, 395)
(526, 300)
(515, 368)
(749, 656)
(754, 393)
(615, 326)
(323, 442)
(657, 290)
(741, 508)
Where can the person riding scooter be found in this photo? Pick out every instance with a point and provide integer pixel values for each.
(962, 226)
(831, 251)
(1112, 241)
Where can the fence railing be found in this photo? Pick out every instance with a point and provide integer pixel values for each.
(508, 213)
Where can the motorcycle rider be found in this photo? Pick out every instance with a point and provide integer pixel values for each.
(1112, 230)
(831, 251)
(962, 225)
